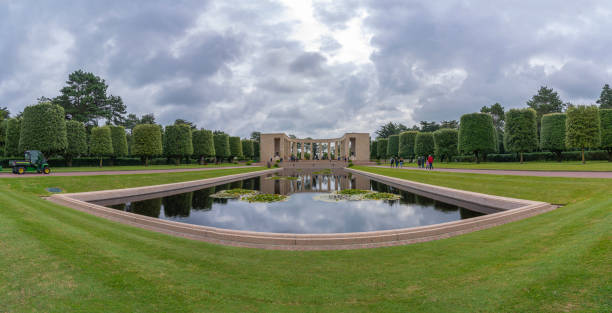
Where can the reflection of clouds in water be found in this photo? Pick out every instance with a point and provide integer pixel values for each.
(301, 214)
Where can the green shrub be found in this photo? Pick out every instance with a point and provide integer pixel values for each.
(521, 131)
(373, 150)
(3, 125)
(445, 143)
(605, 116)
(582, 128)
(235, 147)
(222, 149)
(76, 136)
(552, 134)
(120, 146)
(43, 128)
(247, 148)
(406, 145)
(393, 146)
(203, 144)
(256, 149)
(177, 142)
(13, 132)
(476, 134)
(381, 146)
(147, 141)
(424, 144)
(100, 142)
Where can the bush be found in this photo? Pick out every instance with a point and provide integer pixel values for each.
(247, 148)
(476, 134)
(605, 116)
(203, 144)
(373, 150)
(43, 128)
(76, 136)
(521, 131)
(582, 128)
(222, 149)
(147, 141)
(101, 144)
(120, 146)
(552, 133)
(235, 147)
(406, 145)
(177, 142)
(381, 146)
(424, 144)
(445, 143)
(13, 132)
(3, 125)
(256, 149)
(393, 146)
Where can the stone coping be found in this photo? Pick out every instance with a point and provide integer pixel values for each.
(509, 209)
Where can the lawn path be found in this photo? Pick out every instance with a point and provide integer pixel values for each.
(571, 174)
(124, 172)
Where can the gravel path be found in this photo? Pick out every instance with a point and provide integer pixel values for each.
(517, 173)
(178, 170)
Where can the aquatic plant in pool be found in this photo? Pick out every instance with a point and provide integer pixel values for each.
(352, 192)
(380, 196)
(359, 194)
(233, 193)
(265, 198)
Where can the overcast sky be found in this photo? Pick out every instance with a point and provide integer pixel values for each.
(315, 69)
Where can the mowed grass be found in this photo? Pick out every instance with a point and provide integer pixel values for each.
(134, 167)
(592, 166)
(58, 259)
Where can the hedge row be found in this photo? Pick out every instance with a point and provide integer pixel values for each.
(593, 155)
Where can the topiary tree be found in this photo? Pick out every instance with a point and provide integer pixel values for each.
(393, 146)
(605, 117)
(43, 128)
(445, 143)
(13, 132)
(177, 142)
(373, 150)
(247, 148)
(256, 149)
(119, 139)
(520, 133)
(381, 146)
(406, 145)
(552, 134)
(76, 136)
(3, 126)
(222, 149)
(582, 128)
(235, 147)
(203, 144)
(101, 144)
(146, 141)
(424, 144)
(476, 134)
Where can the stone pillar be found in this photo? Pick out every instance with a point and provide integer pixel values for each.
(329, 154)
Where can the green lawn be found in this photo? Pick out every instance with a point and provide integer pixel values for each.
(595, 166)
(58, 259)
(134, 167)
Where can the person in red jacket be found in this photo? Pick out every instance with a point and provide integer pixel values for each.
(430, 161)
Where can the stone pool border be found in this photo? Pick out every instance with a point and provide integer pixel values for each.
(510, 209)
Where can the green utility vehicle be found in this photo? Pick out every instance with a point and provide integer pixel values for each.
(34, 162)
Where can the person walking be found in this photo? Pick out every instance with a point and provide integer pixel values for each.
(430, 160)
(391, 161)
(401, 164)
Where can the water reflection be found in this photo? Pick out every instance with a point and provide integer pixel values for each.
(302, 213)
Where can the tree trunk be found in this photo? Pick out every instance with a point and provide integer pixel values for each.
(476, 154)
(69, 161)
(583, 161)
(100, 161)
(178, 161)
(146, 161)
(559, 155)
(609, 155)
(201, 160)
(521, 157)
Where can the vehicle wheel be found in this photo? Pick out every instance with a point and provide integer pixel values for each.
(21, 170)
(14, 170)
(46, 170)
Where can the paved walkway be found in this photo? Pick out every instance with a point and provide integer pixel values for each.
(92, 173)
(572, 174)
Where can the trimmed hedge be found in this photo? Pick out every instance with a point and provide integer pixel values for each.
(605, 117)
(424, 144)
(247, 148)
(552, 133)
(3, 124)
(235, 147)
(120, 145)
(476, 134)
(582, 127)
(146, 141)
(521, 131)
(592, 155)
(256, 149)
(76, 136)
(406, 145)
(373, 150)
(13, 132)
(43, 128)
(393, 146)
(381, 146)
(100, 142)
(222, 149)
(177, 142)
(445, 143)
(203, 144)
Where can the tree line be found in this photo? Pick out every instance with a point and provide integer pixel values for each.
(547, 124)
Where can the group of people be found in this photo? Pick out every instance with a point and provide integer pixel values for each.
(425, 162)
(397, 162)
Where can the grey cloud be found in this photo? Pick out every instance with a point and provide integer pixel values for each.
(309, 63)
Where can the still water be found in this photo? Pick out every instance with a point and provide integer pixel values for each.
(303, 212)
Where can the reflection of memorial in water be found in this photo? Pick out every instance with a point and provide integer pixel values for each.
(312, 180)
